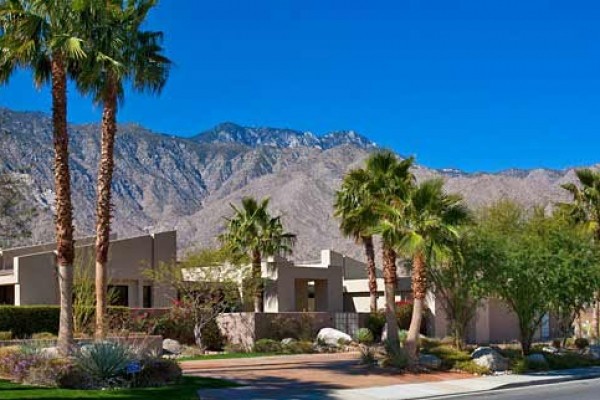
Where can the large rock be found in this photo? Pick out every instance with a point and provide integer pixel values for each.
(430, 361)
(489, 358)
(50, 352)
(171, 346)
(333, 337)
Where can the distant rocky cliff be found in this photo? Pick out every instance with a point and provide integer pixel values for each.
(167, 182)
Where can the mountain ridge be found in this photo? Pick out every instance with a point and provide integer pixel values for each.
(164, 181)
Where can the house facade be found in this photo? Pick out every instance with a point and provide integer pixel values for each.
(28, 275)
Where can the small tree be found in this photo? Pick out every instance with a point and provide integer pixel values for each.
(206, 283)
(458, 284)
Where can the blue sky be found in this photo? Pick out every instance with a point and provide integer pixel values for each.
(477, 85)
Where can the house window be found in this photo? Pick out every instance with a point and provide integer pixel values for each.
(7, 295)
(119, 295)
(147, 297)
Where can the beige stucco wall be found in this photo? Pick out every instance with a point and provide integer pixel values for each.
(35, 279)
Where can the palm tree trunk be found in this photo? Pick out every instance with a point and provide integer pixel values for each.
(370, 253)
(64, 209)
(419, 288)
(389, 279)
(257, 278)
(103, 206)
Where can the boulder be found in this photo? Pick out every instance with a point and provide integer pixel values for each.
(171, 346)
(489, 358)
(430, 361)
(551, 350)
(288, 341)
(333, 337)
(50, 352)
(536, 358)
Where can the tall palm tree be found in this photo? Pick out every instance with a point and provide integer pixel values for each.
(354, 207)
(120, 52)
(252, 231)
(585, 210)
(424, 227)
(41, 35)
(388, 179)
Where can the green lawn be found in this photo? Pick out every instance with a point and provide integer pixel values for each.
(226, 356)
(185, 390)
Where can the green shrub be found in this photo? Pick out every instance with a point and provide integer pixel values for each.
(404, 314)
(298, 347)
(395, 359)
(282, 327)
(582, 343)
(43, 336)
(103, 361)
(212, 338)
(233, 348)
(520, 366)
(569, 360)
(451, 357)
(267, 346)
(364, 336)
(367, 355)
(46, 372)
(24, 321)
(6, 335)
(375, 324)
(471, 368)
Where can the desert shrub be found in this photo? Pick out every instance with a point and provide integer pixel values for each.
(46, 371)
(235, 348)
(402, 335)
(375, 324)
(6, 335)
(581, 343)
(212, 338)
(43, 336)
(74, 378)
(471, 368)
(428, 343)
(394, 359)
(367, 355)
(451, 357)
(158, 372)
(404, 314)
(103, 361)
(267, 346)
(364, 336)
(298, 347)
(520, 366)
(537, 365)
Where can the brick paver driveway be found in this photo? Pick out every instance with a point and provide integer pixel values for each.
(312, 372)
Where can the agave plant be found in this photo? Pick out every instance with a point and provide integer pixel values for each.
(104, 361)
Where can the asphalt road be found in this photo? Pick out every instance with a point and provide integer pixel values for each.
(575, 390)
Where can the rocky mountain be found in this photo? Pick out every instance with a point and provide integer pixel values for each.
(168, 182)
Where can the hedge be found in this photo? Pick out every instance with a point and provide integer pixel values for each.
(24, 321)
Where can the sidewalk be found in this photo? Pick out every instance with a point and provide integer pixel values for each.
(399, 392)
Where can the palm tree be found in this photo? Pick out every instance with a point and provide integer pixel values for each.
(388, 178)
(41, 35)
(120, 51)
(424, 227)
(252, 231)
(354, 207)
(585, 210)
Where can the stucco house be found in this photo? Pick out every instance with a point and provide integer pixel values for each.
(28, 275)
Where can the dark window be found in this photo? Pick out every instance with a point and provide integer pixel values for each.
(119, 294)
(7, 295)
(147, 297)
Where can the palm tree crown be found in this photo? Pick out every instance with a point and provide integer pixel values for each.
(252, 231)
(585, 208)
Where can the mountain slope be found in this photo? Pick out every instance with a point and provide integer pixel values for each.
(166, 182)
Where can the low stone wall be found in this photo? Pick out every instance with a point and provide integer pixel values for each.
(151, 342)
(244, 329)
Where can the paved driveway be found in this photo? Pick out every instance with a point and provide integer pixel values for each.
(315, 373)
